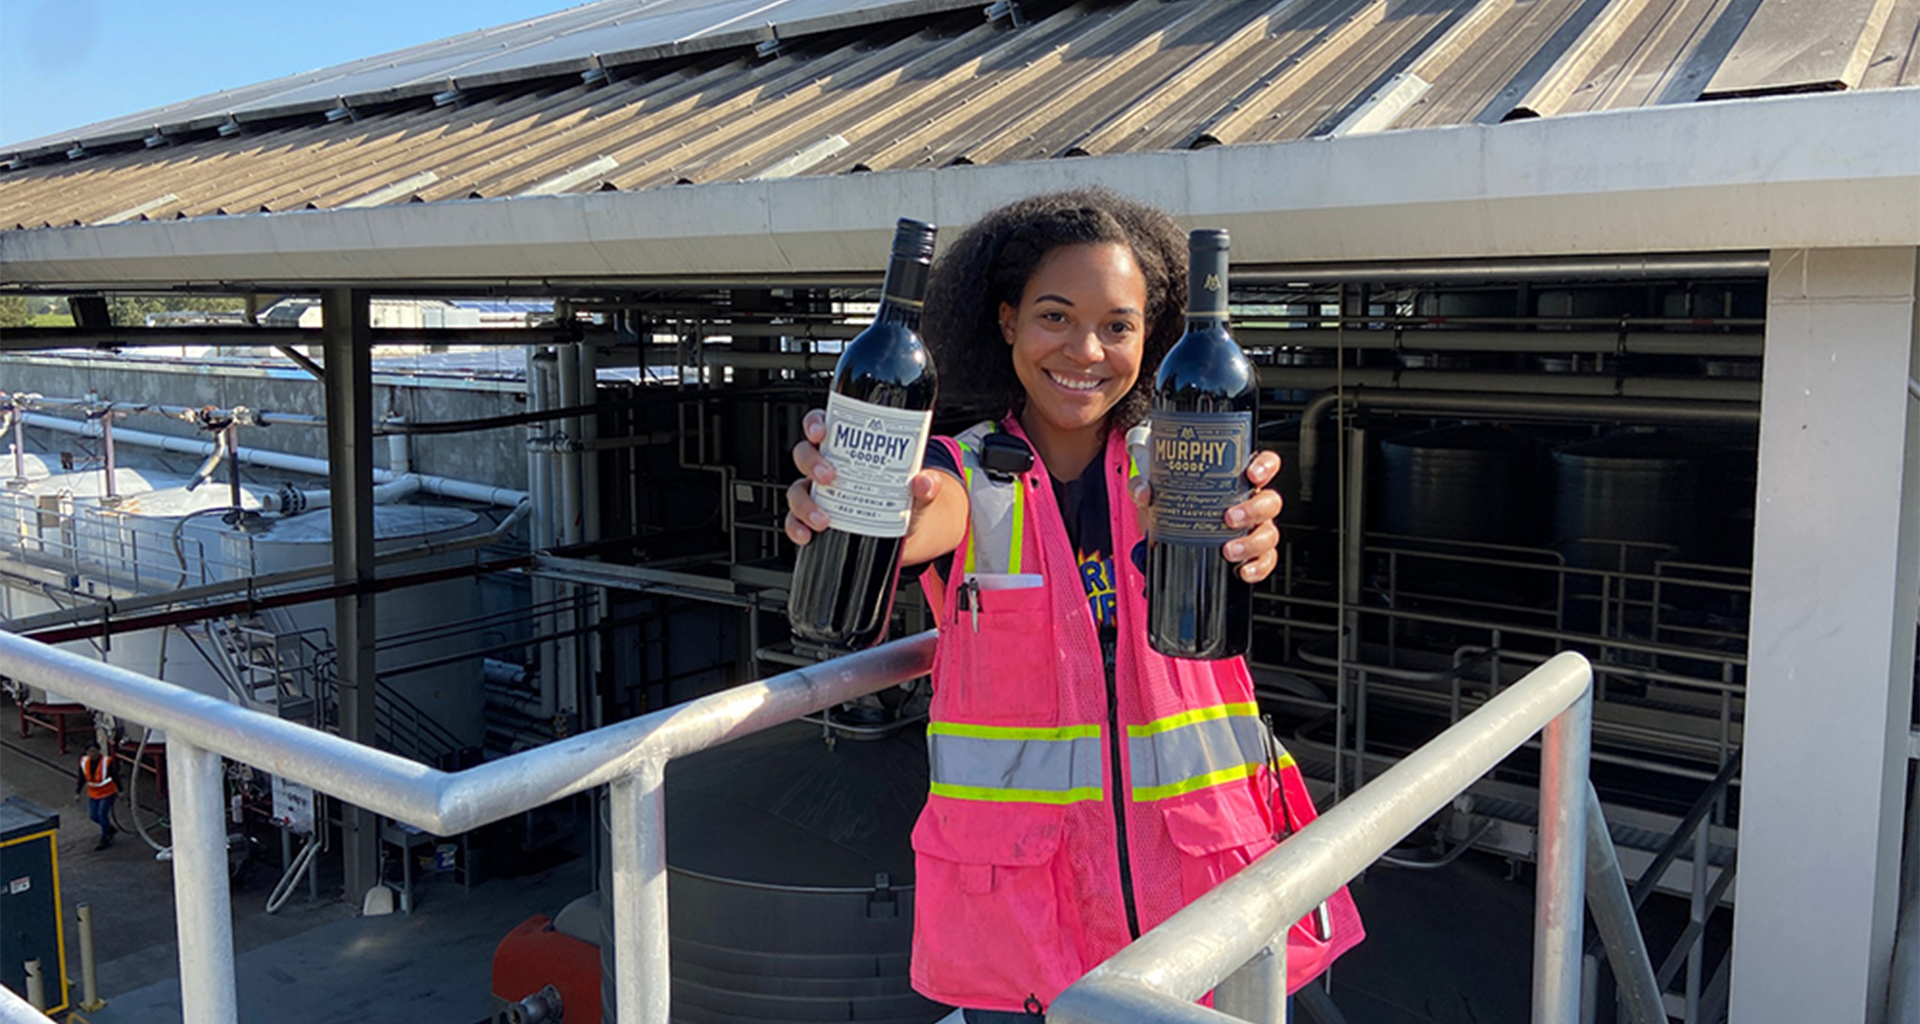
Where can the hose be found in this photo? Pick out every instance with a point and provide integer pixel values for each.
(283, 889)
(133, 795)
(179, 551)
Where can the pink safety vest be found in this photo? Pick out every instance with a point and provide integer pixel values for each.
(1042, 786)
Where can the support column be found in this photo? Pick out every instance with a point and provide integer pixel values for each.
(348, 340)
(1836, 585)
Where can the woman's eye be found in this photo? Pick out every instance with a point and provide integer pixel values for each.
(1054, 316)
(1120, 327)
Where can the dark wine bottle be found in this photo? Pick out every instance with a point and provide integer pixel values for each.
(1204, 401)
(878, 416)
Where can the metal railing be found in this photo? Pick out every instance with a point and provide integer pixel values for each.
(1233, 939)
(631, 756)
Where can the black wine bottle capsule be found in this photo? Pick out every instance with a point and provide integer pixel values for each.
(1205, 398)
(879, 412)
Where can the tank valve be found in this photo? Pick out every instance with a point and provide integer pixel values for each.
(542, 1007)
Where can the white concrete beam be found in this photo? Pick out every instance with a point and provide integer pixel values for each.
(1836, 586)
(1820, 171)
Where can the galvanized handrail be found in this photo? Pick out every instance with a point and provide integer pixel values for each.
(630, 755)
(1244, 920)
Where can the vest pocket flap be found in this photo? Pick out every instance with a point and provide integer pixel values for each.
(998, 833)
(1212, 820)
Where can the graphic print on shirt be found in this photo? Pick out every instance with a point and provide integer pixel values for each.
(1096, 575)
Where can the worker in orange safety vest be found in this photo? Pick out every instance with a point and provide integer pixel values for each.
(96, 781)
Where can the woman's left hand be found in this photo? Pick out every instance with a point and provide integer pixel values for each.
(1256, 552)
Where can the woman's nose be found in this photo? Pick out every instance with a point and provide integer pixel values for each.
(1085, 347)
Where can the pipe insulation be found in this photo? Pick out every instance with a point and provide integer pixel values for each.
(445, 487)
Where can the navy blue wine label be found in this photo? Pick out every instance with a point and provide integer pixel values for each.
(1198, 470)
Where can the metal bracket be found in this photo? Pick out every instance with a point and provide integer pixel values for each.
(1008, 10)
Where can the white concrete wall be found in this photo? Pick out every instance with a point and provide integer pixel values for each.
(1836, 584)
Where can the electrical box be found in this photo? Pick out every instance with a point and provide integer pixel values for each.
(30, 900)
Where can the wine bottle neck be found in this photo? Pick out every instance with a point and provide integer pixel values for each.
(1207, 287)
(904, 292)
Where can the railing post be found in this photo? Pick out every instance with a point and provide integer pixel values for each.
(1257, 992)
(639, 823)
(201, 903)
(1560, 894)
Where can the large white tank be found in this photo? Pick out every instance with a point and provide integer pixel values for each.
(417, 625)
(72, 545)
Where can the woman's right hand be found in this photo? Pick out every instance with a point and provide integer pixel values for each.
(939, 502)
(804, 515)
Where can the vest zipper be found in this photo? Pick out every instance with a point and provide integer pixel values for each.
(1119, 793)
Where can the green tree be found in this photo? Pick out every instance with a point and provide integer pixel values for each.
(132, 310)
(13, 311)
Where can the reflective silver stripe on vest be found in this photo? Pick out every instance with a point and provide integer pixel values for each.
(1194, 750)
(1005, 764)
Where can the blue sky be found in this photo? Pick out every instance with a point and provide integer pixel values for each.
(68, 63)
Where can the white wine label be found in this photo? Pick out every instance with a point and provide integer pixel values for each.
(875, 452)
(1198, 470)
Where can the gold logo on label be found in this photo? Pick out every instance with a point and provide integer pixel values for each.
(1213, 282)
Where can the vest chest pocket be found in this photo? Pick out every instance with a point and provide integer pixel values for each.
(990, 924)
(998, 663)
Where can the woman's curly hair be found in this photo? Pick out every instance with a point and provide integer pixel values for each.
(990, 263)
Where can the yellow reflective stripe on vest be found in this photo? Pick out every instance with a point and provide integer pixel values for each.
(1004, 764)
(1194, 750)
(1019, 526)
(966, 477)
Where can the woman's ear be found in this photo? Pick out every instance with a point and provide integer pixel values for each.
(1008, 316)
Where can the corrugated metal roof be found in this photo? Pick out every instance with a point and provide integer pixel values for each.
(943, 87)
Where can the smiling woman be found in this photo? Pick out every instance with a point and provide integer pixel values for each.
(1084, 787)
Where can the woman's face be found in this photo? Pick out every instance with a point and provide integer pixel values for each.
(1078, 336)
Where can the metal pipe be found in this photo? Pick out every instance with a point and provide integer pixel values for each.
(201, 903)
(1560, 407)
(1613, 918)
(642, 980)
(18, 418)
(399, 448)
(589, 436)
(112, 493)
(1559, 893)
(1156, 977)
(1549, 268)
(1588, 385)
(445, 487)
(89, 970)
(1417, 337)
